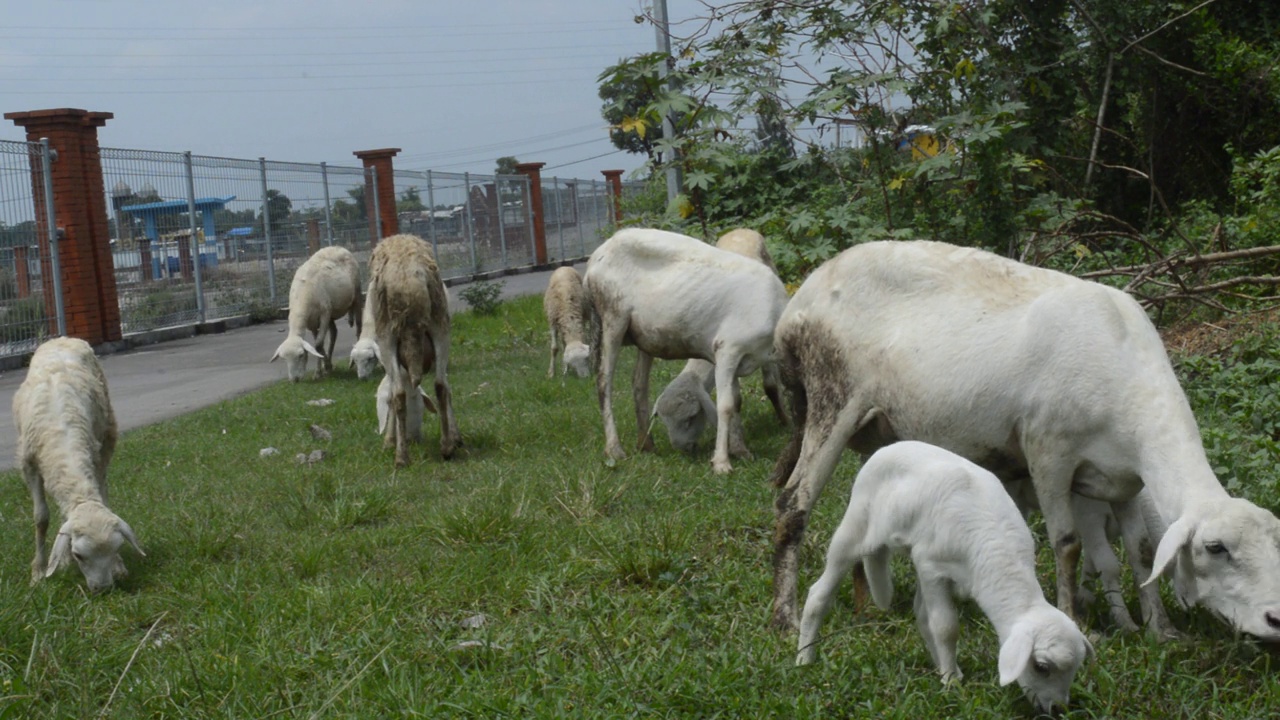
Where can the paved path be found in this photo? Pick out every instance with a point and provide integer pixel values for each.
(162, 381)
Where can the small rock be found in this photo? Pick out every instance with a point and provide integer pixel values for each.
(320, 433)
(476, 645)
(268, 452)
(475, 621)
(315, 457)
(320, 402)
(300, 458)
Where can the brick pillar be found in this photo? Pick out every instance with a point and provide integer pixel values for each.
(313, 236)
(144, 255)
(386, 189)
(184, 257)
(533, 170)
(22, 269)
(80, 203)
(614, 178)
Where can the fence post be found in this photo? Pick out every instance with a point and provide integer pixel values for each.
(266, 232)
(195, 242)
(384, 190)
(555, 190)
(577, 214)
(533, 171)
(55, 264)
(528, 213)
(471, 236)
(614, 178)
(502, 231)
(431, 217)
(328, 216)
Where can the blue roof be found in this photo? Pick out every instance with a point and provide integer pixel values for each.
(167, 207)
(239, 231)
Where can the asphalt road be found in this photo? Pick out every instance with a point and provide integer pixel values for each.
(158, 382)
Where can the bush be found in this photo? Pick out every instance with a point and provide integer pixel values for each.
(483, 297)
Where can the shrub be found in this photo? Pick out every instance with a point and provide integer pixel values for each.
(483, 297)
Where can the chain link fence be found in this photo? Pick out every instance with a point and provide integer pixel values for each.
(197, 238)
(30, 307)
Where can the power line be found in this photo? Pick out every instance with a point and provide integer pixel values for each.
(527, 153)
(326, 53)
(575, 162)
(499, 145)
(205, 90)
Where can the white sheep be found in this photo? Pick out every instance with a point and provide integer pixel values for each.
(566, 312)
(1025, 371)
(967, 539)
(66, 436)
(676, 297)
(324, 288)
(685, 406)
(411, 315)
(364, 354)
(416, 406)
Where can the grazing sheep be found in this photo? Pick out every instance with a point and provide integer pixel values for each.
(1025, 371)
(364, 354)
(967, 539)
(325, 287)
(66, 436)
(411, 317)
(566, 313)
(416, 406)
(676, 297)
(685, 406)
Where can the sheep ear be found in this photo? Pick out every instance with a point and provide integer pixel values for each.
(311, 349)
(127, 533)
(383, 411)
(426, 400)
(708, 407)
(61, 553)
(277, 355)
(1089, 652)
(1177, 537)
(377, 353)
(1015, 653)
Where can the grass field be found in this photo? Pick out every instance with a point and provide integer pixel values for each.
(349, 589)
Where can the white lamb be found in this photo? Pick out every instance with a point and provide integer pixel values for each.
(324, 288)
(66, 436)
(416, 406)
(967, 539)
(676, 297)
(364, 354)
(1025, 371)
(411, 313)
(566, 311)
(685, 406)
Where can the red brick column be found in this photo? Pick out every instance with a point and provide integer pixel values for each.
(80, 203)
(614, 178)
(386, 189)
(22, 271)
(533, 170)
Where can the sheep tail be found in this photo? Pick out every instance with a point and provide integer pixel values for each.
(594, 330)
(798, 399)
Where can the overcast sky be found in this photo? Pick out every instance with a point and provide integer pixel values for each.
(453, 83)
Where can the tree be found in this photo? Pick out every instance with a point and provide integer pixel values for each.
(506, 166)
(361, 208)
(410, 201)
(278, 207)
(630, 91)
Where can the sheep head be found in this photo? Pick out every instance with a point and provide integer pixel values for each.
(92, 536)
(1225, 555)
(295, 350)
(1042, 653)
(576, 357)
(364, 358)
(685, 408)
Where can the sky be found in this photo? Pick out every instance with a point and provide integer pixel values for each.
(454, 83)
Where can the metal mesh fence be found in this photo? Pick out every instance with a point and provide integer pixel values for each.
(28, 306)
(197, 238)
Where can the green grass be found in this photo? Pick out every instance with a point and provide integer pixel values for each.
(272, 589)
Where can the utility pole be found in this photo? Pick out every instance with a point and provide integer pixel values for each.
(663, 29)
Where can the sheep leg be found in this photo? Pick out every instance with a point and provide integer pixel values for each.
(726, 370)
(450, 438)
(319, 336)
(1052, 479)
(1090, 518)
(105, 451)
(824, 439)
(1136, 535)
(555, 348)
(769, 376)
(939, 624)
(611, 336)
(844, 552)
(40, 513)
(737, 440)
(333, 340)
(640, 396)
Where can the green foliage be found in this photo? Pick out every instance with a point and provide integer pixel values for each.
(410, 200)
(23, 319)
(483, 297)
(158, 305)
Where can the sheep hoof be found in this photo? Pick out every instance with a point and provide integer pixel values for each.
(721, 467)
(784, 620)
(952, 678)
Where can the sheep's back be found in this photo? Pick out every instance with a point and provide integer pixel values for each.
(564, 303)
(405, 289)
